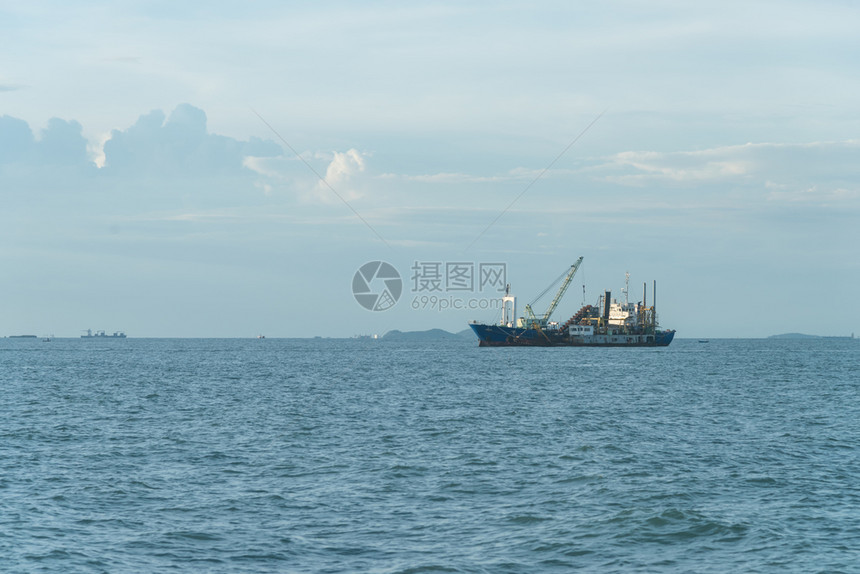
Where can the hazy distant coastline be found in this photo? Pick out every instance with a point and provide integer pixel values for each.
(805, 336)
(429, 335)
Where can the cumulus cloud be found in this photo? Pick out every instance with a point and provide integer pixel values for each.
(179, 145)
(61, 143)
(157, 155)
(344, 165)
(293, 174)
(339, 175)
(16, 140)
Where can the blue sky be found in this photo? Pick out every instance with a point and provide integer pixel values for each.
(142, 192)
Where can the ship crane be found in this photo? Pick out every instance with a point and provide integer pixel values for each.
(541, 322)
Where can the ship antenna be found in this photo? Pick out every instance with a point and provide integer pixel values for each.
(626, 286)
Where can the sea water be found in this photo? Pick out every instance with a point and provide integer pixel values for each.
(269, 455)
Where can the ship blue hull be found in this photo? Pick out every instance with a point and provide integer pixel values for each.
(501, 336)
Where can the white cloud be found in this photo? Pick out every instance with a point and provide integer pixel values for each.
(293, 175)
(344, 166)
(816, 194)
(339, 176)
(178, 144)
(271, 167)
(649, 167)
(823, 171)
(96, 149)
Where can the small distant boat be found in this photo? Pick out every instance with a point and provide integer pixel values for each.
(704, 341)
(261, 336)
(47, 339)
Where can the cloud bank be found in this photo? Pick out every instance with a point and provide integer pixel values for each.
(60, 143)
(156, 145)
(822, 162)
(179, 145)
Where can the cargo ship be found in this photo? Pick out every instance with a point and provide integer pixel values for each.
(608, 323)
(103, 335)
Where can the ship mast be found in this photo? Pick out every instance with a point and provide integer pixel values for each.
(654, 306)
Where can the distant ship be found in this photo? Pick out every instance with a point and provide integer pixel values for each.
(840, 337)
(606, 324)
(103, 335)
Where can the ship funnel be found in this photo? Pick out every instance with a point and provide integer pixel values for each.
(607, 298)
